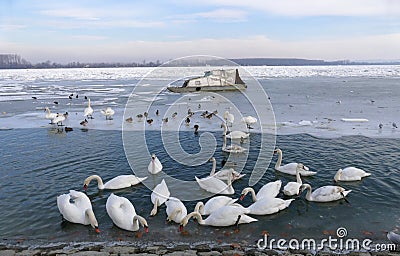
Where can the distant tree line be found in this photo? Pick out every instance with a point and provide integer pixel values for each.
(15, 61)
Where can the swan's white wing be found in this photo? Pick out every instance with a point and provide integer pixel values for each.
(353, 172)
(292, 188)
(269, 206)
(121, 211)
(161, 192)
(225, 216)
(122, 181)
(270, 189)
(213, 185)
(174, 204)
(134, 180)
(217, 202)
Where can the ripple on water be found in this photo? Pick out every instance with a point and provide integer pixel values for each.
(37, 166)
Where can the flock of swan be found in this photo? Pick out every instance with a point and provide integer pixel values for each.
(219, 211)
(58, 119)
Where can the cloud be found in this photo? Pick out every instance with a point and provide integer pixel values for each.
(218, 15)
(315, 7)
(11, 27)
(73, 13)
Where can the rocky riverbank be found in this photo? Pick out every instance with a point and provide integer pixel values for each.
(106, 249)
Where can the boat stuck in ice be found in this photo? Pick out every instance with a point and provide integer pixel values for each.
(213, 80)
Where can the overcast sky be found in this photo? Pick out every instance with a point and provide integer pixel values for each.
(111, 31)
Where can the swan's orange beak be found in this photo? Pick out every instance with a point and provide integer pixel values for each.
(180, 228)
(85, 187)
(97, 230)
(146, 229)
(241, 197)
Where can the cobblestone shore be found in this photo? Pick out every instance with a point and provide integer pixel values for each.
(152, 250)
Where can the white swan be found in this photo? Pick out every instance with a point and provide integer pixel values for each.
(234, 134)
(213, 204)
(75, 207)
(122, 181)
(249, 120)
(155, 165)
(293, 188)
(224, 173)
(350, 174)
(229, 118)
(215, 185)
(233, 148)
(108, 112)
(123, 214)
(225, 216)
(49, 115)
(325, 193)
(175, 210)
(159, 196)
(268, 205)
(291, 167)
(269, 190)
(88, 111)
(59, 119)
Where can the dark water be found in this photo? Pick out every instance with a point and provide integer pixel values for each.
(36, 165)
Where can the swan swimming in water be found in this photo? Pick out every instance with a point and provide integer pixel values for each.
(159, 196)
(155, 165)
(122, 181)
(233, 148)
(268, 205)
(293, 188)
(325, 193)
(75, 207)
(234, 134)
(108, 112)
(225, 216)
(88, 112)
(224, 173)
(350, 174)
(215, 185)
(269, 190)
(213, 204)
(175, 210)
(123, 214)
(291, 167)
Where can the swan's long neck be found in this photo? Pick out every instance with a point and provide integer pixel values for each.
(278, 163)
(309, 191)
(298, 177)
(224, 144)
(337, 175)
(92, 219)
(194, 214)
(139, 219)
(199, 206)
(88, 103)
(253, 194)
(154, 211)
(225, 128)
(48, 111)
(100, 183)
(214, 166)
